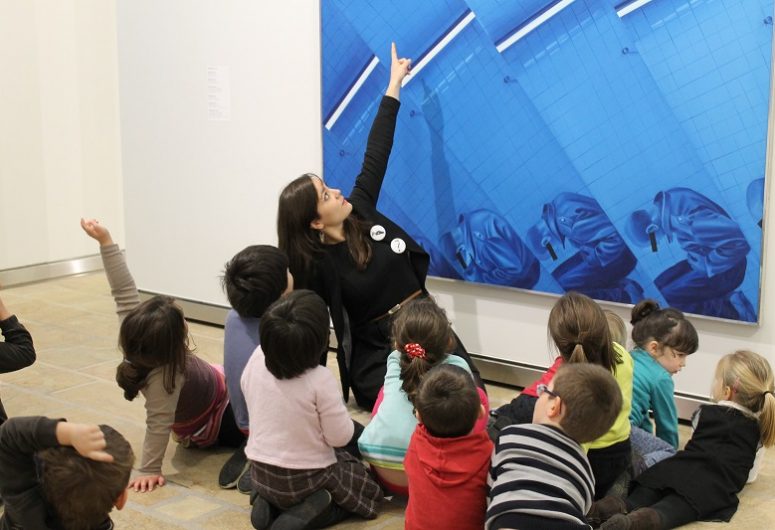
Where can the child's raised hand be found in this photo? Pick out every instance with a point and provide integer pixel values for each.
(146, 483)
(95, 230)
(88, 440)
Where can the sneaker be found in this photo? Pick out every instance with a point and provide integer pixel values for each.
(234, 468)
(245, 483)
(304, 514)
(262, 513)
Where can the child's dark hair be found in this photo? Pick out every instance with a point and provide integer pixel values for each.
(153, 334)
(421, 323)
(591, 397)
(294, 334)
(82, 491)
(254, 278)
(579, 329)
(667, 326)
(447, 401)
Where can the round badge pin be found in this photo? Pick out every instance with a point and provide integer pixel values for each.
(398, 245)
(377, 232)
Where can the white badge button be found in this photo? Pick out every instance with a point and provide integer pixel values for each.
(377, 232)
(398, 245)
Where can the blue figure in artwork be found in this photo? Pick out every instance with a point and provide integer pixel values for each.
(484, 248)
(601, 266)
(439, 266)
(706, 282)
(754, 196)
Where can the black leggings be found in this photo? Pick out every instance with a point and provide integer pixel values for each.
(608, 464)
(229, 435)
(672, 508)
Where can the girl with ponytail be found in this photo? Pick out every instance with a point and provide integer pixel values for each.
(579, 329)
(422, 338)
(701, 482)
(184, 395)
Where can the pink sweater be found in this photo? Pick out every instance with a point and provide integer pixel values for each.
(294, 423)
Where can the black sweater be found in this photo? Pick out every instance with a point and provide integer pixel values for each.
(16, 352)
(325, 278)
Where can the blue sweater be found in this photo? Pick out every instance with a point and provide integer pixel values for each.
(240, 340)
(652, 389)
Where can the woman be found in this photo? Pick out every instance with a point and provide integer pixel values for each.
(363, 265)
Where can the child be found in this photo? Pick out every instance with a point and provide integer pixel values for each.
(540, 476)
(580, 332)
(520, 410)
(701, 482)
(17, 351)
(663, 339)
(422, 336)
(254, 278)
(184, 395)
(55, 474)
(447, 459)
(297, 419)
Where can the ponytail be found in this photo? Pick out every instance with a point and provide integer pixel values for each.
(767, 419)
(131, 379)
(412, 371)
(577, 355)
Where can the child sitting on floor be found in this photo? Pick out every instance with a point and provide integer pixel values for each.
(422, 337)
(447, 459)
(663, 339)
(254, 278)
(701, 482)
(55, 474)
(297, 422)
(540, 476)
(184, 395)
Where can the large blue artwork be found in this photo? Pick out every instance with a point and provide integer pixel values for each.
(611, 147)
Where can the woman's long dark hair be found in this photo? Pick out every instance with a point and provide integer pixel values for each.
(153, 334)
(297, 209)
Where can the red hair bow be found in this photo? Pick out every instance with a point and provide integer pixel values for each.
(414, 350)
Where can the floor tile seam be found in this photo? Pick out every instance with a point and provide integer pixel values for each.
(51, 397)
(183, 493)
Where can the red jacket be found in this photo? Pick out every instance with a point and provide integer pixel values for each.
(447, 480)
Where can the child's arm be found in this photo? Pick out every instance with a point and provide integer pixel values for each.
(122, 285)
(17, 351)
(159, 417)
(20, 439)
(665, 413)
(335, 421)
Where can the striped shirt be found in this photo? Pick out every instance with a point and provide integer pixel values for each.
(538, 471)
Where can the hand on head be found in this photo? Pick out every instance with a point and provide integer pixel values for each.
(88, 440)
(95, 230)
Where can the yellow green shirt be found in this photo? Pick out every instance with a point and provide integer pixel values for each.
(620, 430)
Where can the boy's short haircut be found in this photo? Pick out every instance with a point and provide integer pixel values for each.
(591, 399)
(254, 278)
(616, 327)
(294, 334)
(82, 491)
(447, 401)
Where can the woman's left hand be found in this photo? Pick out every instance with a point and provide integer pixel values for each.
(399, 69)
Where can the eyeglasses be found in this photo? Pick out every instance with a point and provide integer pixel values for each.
(540, 389)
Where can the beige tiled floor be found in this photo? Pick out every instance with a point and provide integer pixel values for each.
(74, 328)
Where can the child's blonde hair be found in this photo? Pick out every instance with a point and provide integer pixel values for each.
(749, 377)
(616, 327)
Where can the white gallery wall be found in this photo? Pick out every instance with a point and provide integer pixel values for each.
(205, 158)
(60, 152)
